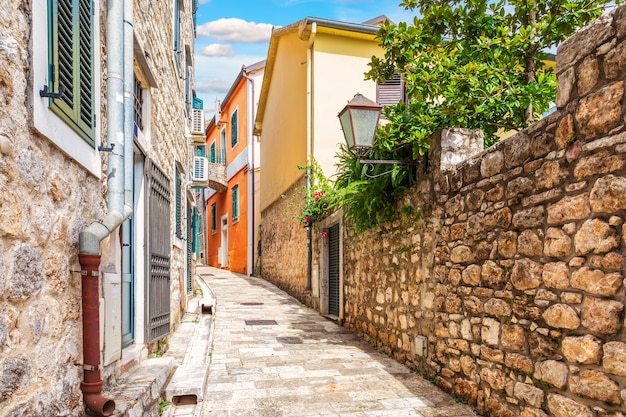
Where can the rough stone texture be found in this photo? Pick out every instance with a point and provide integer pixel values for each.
(595, 236)
(526, 274)
(562, 406)
(602, 316)
(608, 194)
(596, 281)
(601, 111)
(561, 316)
(596, 385)
(614, 359)
(556, 275)
(552, 372)
(584, 349)
(568, 209)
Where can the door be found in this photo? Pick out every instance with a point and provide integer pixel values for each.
(333, 270)
(158, 253)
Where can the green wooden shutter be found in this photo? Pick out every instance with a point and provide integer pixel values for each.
(71, 57)
(177, 41)
(235, 202)
(178, 196)
(213, 217)
(234, 129)
(213, 155)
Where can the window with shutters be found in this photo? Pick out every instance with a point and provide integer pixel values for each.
(213, 218)
(213, 153)
(391, 91)
(178, 195)
(71, 64)
(235, 197)
(234, 128)
(138, 105)
(178, 47)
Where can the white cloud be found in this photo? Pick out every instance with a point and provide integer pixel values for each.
(235, 30)
(217, 49)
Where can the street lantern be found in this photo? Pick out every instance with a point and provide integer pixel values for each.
(359, 120)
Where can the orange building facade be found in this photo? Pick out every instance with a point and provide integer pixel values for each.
(232, 215)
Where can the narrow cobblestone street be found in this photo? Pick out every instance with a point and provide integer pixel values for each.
(272, 356)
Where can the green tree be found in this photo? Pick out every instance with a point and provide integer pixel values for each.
(477, 64)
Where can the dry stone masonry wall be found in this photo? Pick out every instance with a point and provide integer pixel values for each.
(513, 263)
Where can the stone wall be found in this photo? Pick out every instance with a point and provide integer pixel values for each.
(512, 263)
(283, 243)
(46, 200)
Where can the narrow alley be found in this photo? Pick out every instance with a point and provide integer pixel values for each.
(272, 356)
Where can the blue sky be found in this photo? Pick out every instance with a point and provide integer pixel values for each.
(233, 33)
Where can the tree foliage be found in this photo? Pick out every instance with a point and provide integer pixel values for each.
(478, 64)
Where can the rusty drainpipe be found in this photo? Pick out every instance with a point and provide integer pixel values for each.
(118, 208)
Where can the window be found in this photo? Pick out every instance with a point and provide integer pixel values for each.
(188, 85)
(178, 197)
(223, 146)
(213, 218)
(71, 65)
(178, 49)
(213, 153)
(235, 203)
(234, 129)
(391, 91)
(138, 105)
(201, 150)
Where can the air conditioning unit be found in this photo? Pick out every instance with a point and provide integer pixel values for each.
(200, 169)
(197, 122)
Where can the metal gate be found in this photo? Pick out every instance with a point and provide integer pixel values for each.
(333, 270)
(190, 240)
(159, 251)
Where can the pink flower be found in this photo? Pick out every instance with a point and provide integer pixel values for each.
(324, 234)
(307, 219)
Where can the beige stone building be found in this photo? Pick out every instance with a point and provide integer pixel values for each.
(95, 161)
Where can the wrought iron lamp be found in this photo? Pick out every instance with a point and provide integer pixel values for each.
(359, 121)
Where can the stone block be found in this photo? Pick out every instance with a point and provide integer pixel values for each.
(602, 316)
(552, 372)
(507, 244)
(561, 316)
(492, 164)
(529, 243)
(496, 378)
(569, 208)
(614, 358)
(528, 393)
(490, 332)
(585, 350)
(529, 218)
(583, 42)
(608, 194)
(615, 61)
(513, 337)
(561, 406)
(526, 274)
(459, 145)
(557, 243)
(492, 275)
(600, 163)
(564, 87)
(596, 282)
(598, 113)
(595, 236)
(587, 74)
(556, 275)
(596, 385)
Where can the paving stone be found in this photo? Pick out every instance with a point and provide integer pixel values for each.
(303, 365)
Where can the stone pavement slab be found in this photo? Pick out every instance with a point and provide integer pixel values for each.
(272, 356)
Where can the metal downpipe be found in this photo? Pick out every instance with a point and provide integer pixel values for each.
(89, 239)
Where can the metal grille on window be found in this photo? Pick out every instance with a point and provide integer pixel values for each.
(138, 105)
(178, 196)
